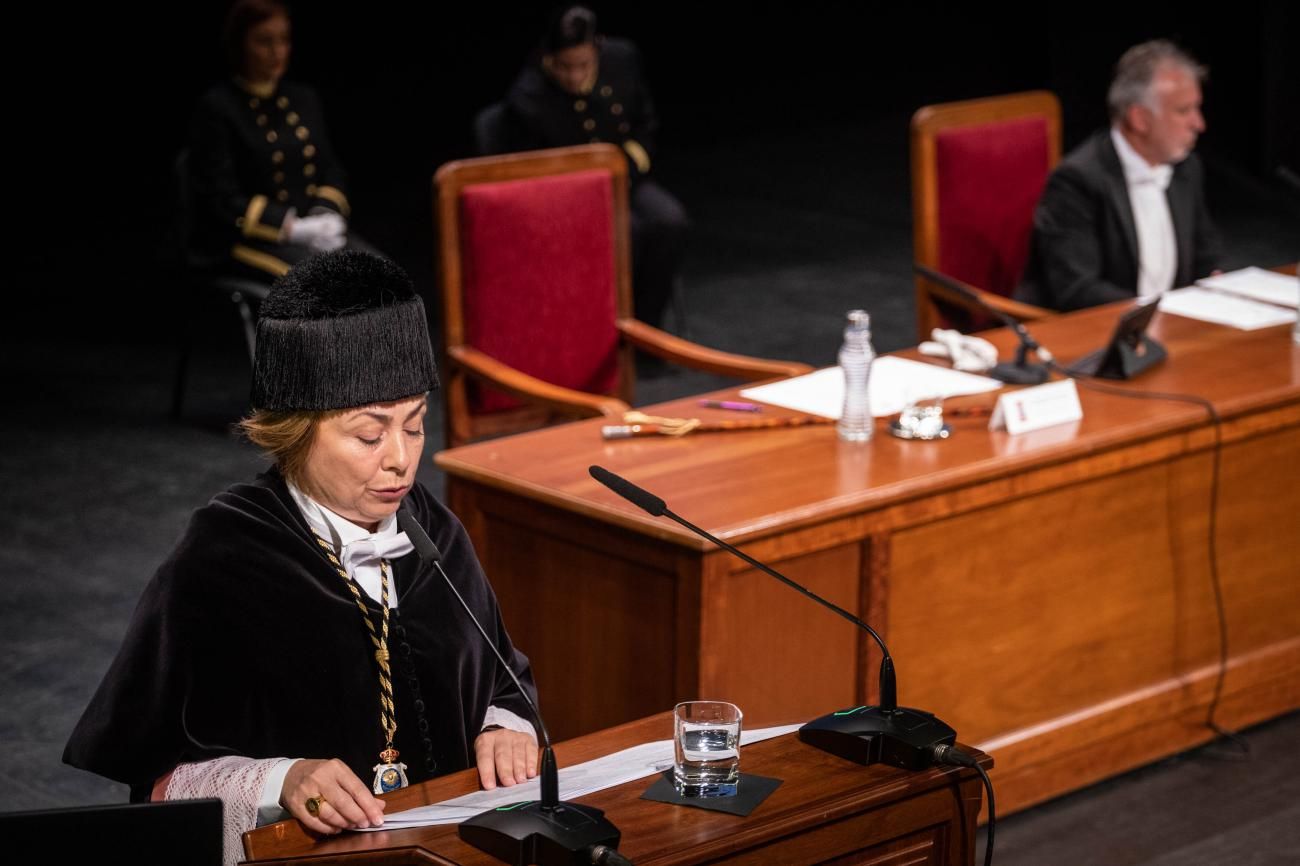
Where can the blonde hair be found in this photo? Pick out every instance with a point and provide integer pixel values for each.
(286, 437)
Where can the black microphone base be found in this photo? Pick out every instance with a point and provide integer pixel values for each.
(1020, 374)
(527, 833)
(901, 737)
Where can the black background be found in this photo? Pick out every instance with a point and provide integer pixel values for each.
(101, 97)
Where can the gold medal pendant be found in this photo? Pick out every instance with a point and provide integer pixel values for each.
(389, 775)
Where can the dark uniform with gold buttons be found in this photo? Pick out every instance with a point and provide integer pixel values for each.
(617, 108)
(255, 157)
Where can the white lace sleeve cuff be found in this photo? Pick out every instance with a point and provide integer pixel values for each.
(239, 782)
(508, 720)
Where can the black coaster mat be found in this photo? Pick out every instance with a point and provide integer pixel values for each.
(750, 792)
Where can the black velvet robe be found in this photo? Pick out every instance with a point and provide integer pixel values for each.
(248, 642)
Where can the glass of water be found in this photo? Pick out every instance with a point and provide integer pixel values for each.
(924, 416)
(921, 418)
(706, 747)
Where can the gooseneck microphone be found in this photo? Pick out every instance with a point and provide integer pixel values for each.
(1020, 372)
(885, 733)
(549, 831)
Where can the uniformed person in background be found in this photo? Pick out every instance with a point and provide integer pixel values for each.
(267, 189)
(583, 87)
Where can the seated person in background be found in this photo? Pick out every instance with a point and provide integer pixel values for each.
(1124, 214)
(268, 191)
(583, 88)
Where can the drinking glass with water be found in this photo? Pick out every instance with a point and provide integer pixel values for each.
(706, 748)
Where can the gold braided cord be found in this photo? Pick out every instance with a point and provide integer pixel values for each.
(667, 426)
(653, 424)
(387, 712)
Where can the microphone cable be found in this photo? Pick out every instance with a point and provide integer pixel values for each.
(949, 755)
(1220, 610)
(603, 855)
(1027, 342)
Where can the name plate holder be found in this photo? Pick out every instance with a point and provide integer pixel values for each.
(1037, 407)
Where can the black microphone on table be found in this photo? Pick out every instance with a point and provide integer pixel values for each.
(1020, 371)
(546, 831)
(885, 733)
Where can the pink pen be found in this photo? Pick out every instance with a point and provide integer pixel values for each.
(733, 405)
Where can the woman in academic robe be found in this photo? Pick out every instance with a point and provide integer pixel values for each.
(293, 652)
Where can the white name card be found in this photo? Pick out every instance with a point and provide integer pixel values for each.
(1037, 407)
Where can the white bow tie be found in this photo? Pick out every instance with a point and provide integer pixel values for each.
(1159, 175)
(367, 550)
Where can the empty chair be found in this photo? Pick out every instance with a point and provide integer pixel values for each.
(978, 169)
(537, 296)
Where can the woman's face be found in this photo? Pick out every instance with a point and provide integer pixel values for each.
(266, 50)
(574, 68)
(362, 461)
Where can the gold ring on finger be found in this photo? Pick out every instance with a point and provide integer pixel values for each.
(314, 804)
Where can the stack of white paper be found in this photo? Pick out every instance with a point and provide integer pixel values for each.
(1258, 284)
(1224, 309)
(637, 762)
(894, 383)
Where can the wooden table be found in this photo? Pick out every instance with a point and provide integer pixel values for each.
(1048, 594)
(825, 808)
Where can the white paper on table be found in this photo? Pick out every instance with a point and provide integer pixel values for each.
(893, 382)
(637, 762)
(1258, 284)
(1223, 309)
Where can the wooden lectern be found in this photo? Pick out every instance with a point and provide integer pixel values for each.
(826, 809)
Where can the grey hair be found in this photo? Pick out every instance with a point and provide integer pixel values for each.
(1137, 68)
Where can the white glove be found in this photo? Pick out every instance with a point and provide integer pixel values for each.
(321, 231)
(329, 243)
(971, 354)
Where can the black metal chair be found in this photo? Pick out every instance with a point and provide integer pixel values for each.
(490, 130)
(200, 272)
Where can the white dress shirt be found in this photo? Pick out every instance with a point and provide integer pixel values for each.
(1157, 247)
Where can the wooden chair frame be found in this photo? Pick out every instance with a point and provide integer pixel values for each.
(926, 124)
(544, 400)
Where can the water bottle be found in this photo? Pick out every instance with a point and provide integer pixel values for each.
(856, 423)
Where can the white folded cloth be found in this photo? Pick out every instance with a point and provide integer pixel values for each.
(967, 353)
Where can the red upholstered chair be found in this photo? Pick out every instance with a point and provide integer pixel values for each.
(978, 169)
(537, 297)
